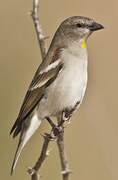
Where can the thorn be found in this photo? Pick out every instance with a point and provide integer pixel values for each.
(41, 36)
(46, 37)
(67, 171)
(31, 171)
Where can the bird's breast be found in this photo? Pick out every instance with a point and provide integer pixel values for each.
(69, 86)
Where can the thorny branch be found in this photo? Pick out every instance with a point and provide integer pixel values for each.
(44, 153)
(40, 36)
(57, 132)
(63, 158)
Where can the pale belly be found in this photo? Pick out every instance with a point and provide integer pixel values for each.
(65, 92)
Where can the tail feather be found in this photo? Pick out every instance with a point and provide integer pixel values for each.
(29, 128)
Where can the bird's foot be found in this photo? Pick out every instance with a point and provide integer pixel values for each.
(57, 130)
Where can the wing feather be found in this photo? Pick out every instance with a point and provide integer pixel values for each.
(44, 76)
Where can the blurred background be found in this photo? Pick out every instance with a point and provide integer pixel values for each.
(92, 137)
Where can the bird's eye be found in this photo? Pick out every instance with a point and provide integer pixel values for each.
(79, 25)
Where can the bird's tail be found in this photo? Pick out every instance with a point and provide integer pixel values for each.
(30, 126)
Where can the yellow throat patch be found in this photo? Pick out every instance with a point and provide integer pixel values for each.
(84, 45)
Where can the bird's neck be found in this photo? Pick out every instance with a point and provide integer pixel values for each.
(77, 48)
(75, 55)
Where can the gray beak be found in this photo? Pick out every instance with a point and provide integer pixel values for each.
(95, 26)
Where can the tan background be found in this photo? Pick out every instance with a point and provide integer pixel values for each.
(92, 137)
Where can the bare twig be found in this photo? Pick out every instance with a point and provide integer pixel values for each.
(55, 134)
(63, 158)
(44, 153)
(39, 32)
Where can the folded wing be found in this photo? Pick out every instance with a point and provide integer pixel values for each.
(45, 75)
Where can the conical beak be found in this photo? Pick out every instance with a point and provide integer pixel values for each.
(95, 26)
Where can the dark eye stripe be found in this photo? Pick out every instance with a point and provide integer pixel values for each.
(80, 25)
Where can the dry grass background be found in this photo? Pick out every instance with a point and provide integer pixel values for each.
(92, 137)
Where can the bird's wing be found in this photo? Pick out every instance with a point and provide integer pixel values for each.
(44, 76)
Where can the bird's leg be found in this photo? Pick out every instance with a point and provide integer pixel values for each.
(64, 117)
(52, 124)
(66, 114)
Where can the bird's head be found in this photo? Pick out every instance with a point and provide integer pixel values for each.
(79, 27)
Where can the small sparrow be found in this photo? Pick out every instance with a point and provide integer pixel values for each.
(59, 84)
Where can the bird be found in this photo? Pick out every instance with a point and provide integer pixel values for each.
(60, 82)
